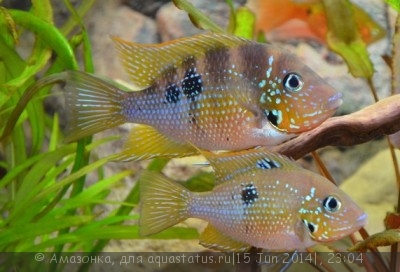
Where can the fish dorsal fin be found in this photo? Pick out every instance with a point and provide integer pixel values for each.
(214, 239)
(145, 142)
(229, 164)
(145, 62)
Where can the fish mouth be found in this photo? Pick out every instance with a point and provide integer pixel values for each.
(334, 101)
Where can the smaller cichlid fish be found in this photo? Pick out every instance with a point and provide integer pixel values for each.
(213, 91)
(261, 199)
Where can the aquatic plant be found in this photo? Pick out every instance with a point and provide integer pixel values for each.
(46, 203)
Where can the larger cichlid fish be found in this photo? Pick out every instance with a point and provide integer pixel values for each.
(261, 200)
(213, 91)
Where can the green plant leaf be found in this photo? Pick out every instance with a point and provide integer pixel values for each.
(245, 21)
(48, 33)
(395, 4)
(198, 18)
(344, 39)
(27, 231)
(43, 9)
(90, 194)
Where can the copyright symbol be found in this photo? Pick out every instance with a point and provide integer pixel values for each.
(39, 257)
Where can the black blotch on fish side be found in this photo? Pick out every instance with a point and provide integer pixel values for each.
(172, 93)
(249, 194)
(266, 163)
(192, 84)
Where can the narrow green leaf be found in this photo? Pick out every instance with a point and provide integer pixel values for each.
(87, 48)
(7, 28)
(26, 231)
(232, 16)
(70, 24)
(54, 133)
(90, 194)
(48, 33)
(198, 18)
(73, 177)
(14, 63)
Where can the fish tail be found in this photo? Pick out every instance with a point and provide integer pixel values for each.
(92, 105)
(164, 203)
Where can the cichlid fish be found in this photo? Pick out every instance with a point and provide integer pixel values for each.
(261, 199)
(213, 91)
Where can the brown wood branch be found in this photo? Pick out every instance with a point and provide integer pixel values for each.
(381, 118)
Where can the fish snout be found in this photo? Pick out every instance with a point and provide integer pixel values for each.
(361, 220)
(334, 102)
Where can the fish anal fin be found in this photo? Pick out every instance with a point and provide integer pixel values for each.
(214, 239)
(145, 142)
(227, 165)
(145, 62)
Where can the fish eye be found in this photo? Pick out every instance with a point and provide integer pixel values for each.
(310, 226)
(293, 82)
(331, 204)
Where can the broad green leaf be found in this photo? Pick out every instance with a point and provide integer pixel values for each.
(244, 23)
(395, 4)
(198, 18)
(344, 39)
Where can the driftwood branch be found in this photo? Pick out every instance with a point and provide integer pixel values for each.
(381, 118)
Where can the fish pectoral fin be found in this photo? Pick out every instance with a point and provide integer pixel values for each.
(145, 62)
(145, 142)
(214, 239)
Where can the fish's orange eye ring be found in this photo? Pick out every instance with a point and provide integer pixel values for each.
(293, 82)
(331, 203)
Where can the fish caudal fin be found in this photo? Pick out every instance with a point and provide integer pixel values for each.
(163, 203)
(145, 142)
(92, 105)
